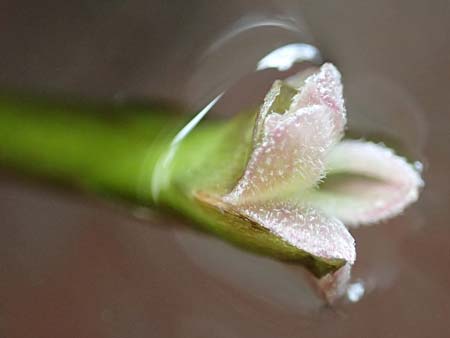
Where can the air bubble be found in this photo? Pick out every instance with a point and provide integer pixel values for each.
(236, 71)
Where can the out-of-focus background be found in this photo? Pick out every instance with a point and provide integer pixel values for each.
(73, 265)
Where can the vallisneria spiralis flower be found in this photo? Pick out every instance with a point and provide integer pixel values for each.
(280, 182)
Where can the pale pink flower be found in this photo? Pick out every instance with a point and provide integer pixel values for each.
(303, 183)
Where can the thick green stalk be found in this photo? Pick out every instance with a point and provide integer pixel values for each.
(77, 144)
(119, 154)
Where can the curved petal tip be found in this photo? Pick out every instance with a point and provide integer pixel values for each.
(366, 183)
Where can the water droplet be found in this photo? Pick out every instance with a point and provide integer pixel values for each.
(355, 291)
(418, 166)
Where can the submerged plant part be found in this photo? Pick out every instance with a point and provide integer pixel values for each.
(280, 182)
(303, 183)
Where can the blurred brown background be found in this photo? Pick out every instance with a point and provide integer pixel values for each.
(74, 266)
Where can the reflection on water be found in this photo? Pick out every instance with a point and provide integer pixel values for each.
(378, 267)
(274, 282)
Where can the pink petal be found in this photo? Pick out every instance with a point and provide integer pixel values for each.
(290, 147)
(305, 228)
(334, 285)
(324, 88)
(290, 157)
(366, 183)
(298, 80)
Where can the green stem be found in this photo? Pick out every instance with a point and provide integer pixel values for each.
(116, 154)
(78, 144)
